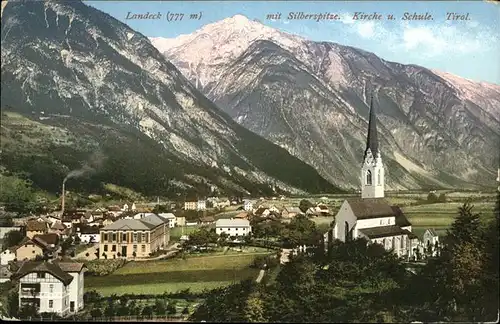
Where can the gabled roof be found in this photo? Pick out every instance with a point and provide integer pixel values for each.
(167, 215)
(154, 219)
(241, 215)
(58, 226)
(401, 219)
(224, 222)
(70, 266)
(294, 210)
(43, 266)
(129, 224)
(34, 225)
(432, 232)
(207, 219)
(259, 211)
(383, 231)
(49, 238)
(38, 242)
(366, 208)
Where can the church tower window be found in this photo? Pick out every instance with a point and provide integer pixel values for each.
(369, 178)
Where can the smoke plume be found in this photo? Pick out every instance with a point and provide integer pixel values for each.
(91, 166)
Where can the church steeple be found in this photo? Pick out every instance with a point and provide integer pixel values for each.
(372, 139)
(372, 172)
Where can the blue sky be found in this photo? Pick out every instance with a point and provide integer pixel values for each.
(465, 48)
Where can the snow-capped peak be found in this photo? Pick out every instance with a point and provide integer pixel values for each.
(219, 43)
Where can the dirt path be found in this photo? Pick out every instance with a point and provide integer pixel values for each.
(261, 275)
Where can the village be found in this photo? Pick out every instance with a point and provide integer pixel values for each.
(56, 263)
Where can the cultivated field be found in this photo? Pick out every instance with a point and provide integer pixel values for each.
(195, 273)
(441, 215)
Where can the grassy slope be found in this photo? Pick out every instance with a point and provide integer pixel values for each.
(48, 149)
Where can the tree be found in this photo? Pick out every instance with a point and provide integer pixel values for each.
(160, 307)
(13, 304)
(304, 205)
(134, 254)
(442, 198)
(147, 311)
(171, 308)
(12, 238)
(185, 311)
(16, 194)
(96, 312)
(432, 198)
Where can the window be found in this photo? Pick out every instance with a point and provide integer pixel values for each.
(51, 303)
(144, 237)
(51, 288)
(113, 248)
(40, 275)
(105, 237)
(124, 237)
(135, 237)
(346, 230)
(105, 248)
(114, 237)
(134, 248)
(143, 248)
(368, 178)
(381, 222)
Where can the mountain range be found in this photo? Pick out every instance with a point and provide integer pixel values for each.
(76, 81)
(312, 98)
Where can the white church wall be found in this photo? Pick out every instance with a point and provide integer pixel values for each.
(376, 222)
(345, 214)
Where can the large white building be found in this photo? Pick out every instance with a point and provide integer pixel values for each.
(172, 220)
(233, 227)
(371, 216)
(54, 287)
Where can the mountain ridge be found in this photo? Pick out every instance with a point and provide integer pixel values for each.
(435, 119)
(78, 61)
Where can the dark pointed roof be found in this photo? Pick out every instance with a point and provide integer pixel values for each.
(372, 139)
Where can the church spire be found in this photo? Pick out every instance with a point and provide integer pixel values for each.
(372, 139)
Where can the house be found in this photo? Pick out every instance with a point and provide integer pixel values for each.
(201, 205)
(130, 238)
(5, 273)
(371, 216)
(322, 210)
(274, 210)
(222, 203)
(88, 234)
(190, 205)
(207, 220)
(171, 219)
(7, 256)
(115, 210)
(55, 287)
(242, 216)
(60, 229)
(248, 205)
(180, 220)
(34, 227)
(262, 212)
(311, 211)
(290, 212)
(6, 229)
(52, 219)
(233, 227)
(29, 249)
(431, 241)
(51, 240)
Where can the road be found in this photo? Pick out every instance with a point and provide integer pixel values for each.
(174, 248)
(91, 251)
(261, 275)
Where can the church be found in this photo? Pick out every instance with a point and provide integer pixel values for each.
(371, 216)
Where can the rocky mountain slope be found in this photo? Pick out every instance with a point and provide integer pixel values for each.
(312, 98)
(85, 81)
